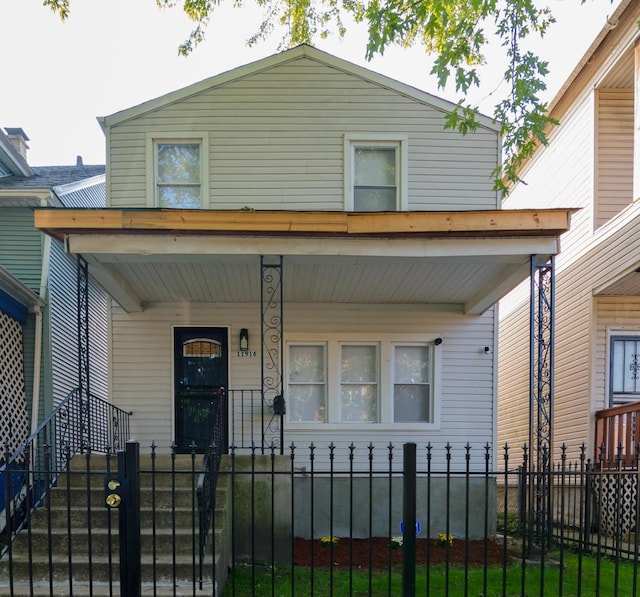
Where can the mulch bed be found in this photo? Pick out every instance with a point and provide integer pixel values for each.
(375, 552)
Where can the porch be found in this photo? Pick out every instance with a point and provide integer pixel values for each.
(617, 437)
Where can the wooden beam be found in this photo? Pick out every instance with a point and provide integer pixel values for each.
(57, 222)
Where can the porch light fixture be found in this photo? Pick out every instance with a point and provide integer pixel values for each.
(244, 339)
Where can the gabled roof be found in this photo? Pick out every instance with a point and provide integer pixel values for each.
(302, 51)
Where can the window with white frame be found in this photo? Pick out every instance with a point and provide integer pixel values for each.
(178, 167)
(375, 173)
(307, 386)
(352, 382)
(411, 385)
(176, 170)
(624, 369)
(359, 383)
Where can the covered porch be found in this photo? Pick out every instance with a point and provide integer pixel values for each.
(260, 262)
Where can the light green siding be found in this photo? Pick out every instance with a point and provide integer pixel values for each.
(21, 246)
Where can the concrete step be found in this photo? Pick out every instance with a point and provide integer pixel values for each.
(160, 516)
(162, 567)
(160, 497)
(171, 506)
(181, 540)
(161, 462)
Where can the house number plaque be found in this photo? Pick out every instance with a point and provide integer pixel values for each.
(247, 353)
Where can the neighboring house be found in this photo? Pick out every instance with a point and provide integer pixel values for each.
(303, 229)
(592, 163)
(38, 312)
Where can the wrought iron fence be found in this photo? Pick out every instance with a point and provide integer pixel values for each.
(338, 520)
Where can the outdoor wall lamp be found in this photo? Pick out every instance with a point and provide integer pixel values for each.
(244, 339)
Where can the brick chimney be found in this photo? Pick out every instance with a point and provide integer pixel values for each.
(19, 139)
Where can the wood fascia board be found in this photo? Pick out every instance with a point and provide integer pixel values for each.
(115, 285)
(459, 223)
(466, 248)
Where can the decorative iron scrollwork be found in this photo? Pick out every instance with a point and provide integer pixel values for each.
(272, 348)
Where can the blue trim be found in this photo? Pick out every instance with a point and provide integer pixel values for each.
(12, 307)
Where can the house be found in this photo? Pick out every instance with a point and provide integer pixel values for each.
(591, 164)
(298, 250)
(38, 312)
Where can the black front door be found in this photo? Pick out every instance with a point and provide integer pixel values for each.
(201, 379)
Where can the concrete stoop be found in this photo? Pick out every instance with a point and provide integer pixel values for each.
(61, 535)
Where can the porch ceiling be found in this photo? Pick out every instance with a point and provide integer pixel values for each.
(465, 259)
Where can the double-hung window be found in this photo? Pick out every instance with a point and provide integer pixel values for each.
(347, 382)
(624, 369)
(307, 382)
(375, 173)
(178, 172)
(412, 396)
(359, 383)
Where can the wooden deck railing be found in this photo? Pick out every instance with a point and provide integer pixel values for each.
(617, 436)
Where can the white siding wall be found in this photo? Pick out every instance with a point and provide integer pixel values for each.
(614, 147)
(513, 380)
(559, 176)
(616, 314)
(276, 142)
(142, 366)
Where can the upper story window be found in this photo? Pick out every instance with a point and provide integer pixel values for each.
(179, 173)
(346, 382)
(375, 173)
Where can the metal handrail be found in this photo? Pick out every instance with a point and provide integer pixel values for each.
(75, 425)
(617, 435)
(206, 488)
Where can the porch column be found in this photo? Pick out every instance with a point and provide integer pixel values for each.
(271, 313)
(541, 401)
(82, 296)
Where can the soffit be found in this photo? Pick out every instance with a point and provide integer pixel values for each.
(468, 260)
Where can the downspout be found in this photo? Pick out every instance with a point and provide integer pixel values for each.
(37, 350)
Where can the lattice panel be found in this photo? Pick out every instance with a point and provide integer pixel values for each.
(616, 501)
(13, 403)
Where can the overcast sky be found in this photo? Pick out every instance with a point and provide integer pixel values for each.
(57, 78)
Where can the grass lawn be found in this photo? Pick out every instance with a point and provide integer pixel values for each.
(579, 576)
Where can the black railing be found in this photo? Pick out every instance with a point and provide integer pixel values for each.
(256, 421)
(206, 488)
(75, 425)
(331, 520)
